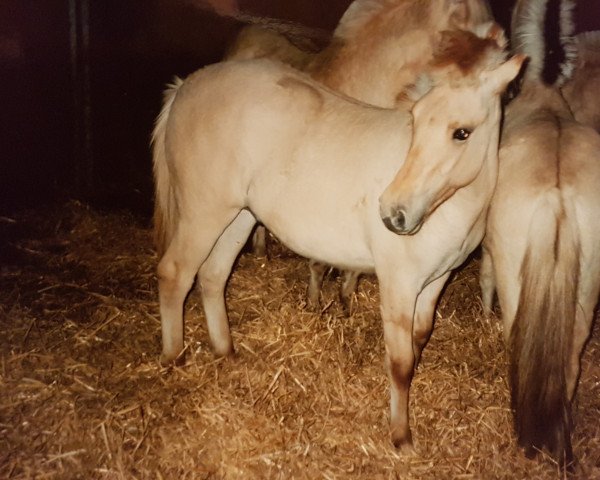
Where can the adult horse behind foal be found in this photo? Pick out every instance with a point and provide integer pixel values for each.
(315, 167)
(542, 247)
(377, 52)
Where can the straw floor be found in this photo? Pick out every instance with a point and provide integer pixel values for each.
(82, 394)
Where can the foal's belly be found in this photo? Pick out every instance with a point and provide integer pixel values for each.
(323, 227)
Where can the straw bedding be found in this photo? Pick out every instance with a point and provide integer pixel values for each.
(82, 394)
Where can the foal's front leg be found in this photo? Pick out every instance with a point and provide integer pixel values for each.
(424, 312)
(397, 310)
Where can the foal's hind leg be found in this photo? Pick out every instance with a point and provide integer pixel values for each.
(192, 242)
(213, 276)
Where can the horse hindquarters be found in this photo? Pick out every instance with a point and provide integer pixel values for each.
(541, 337)
(189, 221)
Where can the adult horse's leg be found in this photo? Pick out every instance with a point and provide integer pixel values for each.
(424, 312)
(259, 241)
(487, 281)
(397, 309)
(213, 276)
(348, 288)
(317, 272)
(195, 236)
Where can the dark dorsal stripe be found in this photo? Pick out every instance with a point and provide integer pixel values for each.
(554, 51)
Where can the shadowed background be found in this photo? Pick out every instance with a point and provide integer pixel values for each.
(82, 82)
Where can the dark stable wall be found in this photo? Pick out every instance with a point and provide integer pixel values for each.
(135, 48)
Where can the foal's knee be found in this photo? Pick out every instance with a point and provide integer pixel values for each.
(166, 270)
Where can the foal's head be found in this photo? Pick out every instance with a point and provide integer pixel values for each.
(456, 123)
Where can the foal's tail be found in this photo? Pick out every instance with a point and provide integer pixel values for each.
(165, 209)
(542, 333)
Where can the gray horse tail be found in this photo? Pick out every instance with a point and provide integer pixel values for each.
(541, 337)
(165, 210)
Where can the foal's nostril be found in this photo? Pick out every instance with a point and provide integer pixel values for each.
(396, 222)
(387, 221)
(400, 219)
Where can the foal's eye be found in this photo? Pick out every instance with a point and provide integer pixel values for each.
(461, 134)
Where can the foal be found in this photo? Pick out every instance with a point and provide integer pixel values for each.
(315, 168)
(379, 49)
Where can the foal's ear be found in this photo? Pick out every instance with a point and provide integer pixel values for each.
(465, 14)
(496, 32)
(505, 73)
(458, 12)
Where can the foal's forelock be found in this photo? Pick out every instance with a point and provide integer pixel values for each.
(464, 53)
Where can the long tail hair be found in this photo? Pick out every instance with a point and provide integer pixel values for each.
(165, 209)
(542, 332)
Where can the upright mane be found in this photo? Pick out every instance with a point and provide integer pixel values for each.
(543, 29)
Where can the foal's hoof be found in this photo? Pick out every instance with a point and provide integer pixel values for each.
(224, 353)
(223, 348)
(312, 306)
(403, 443)
(170, 361)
